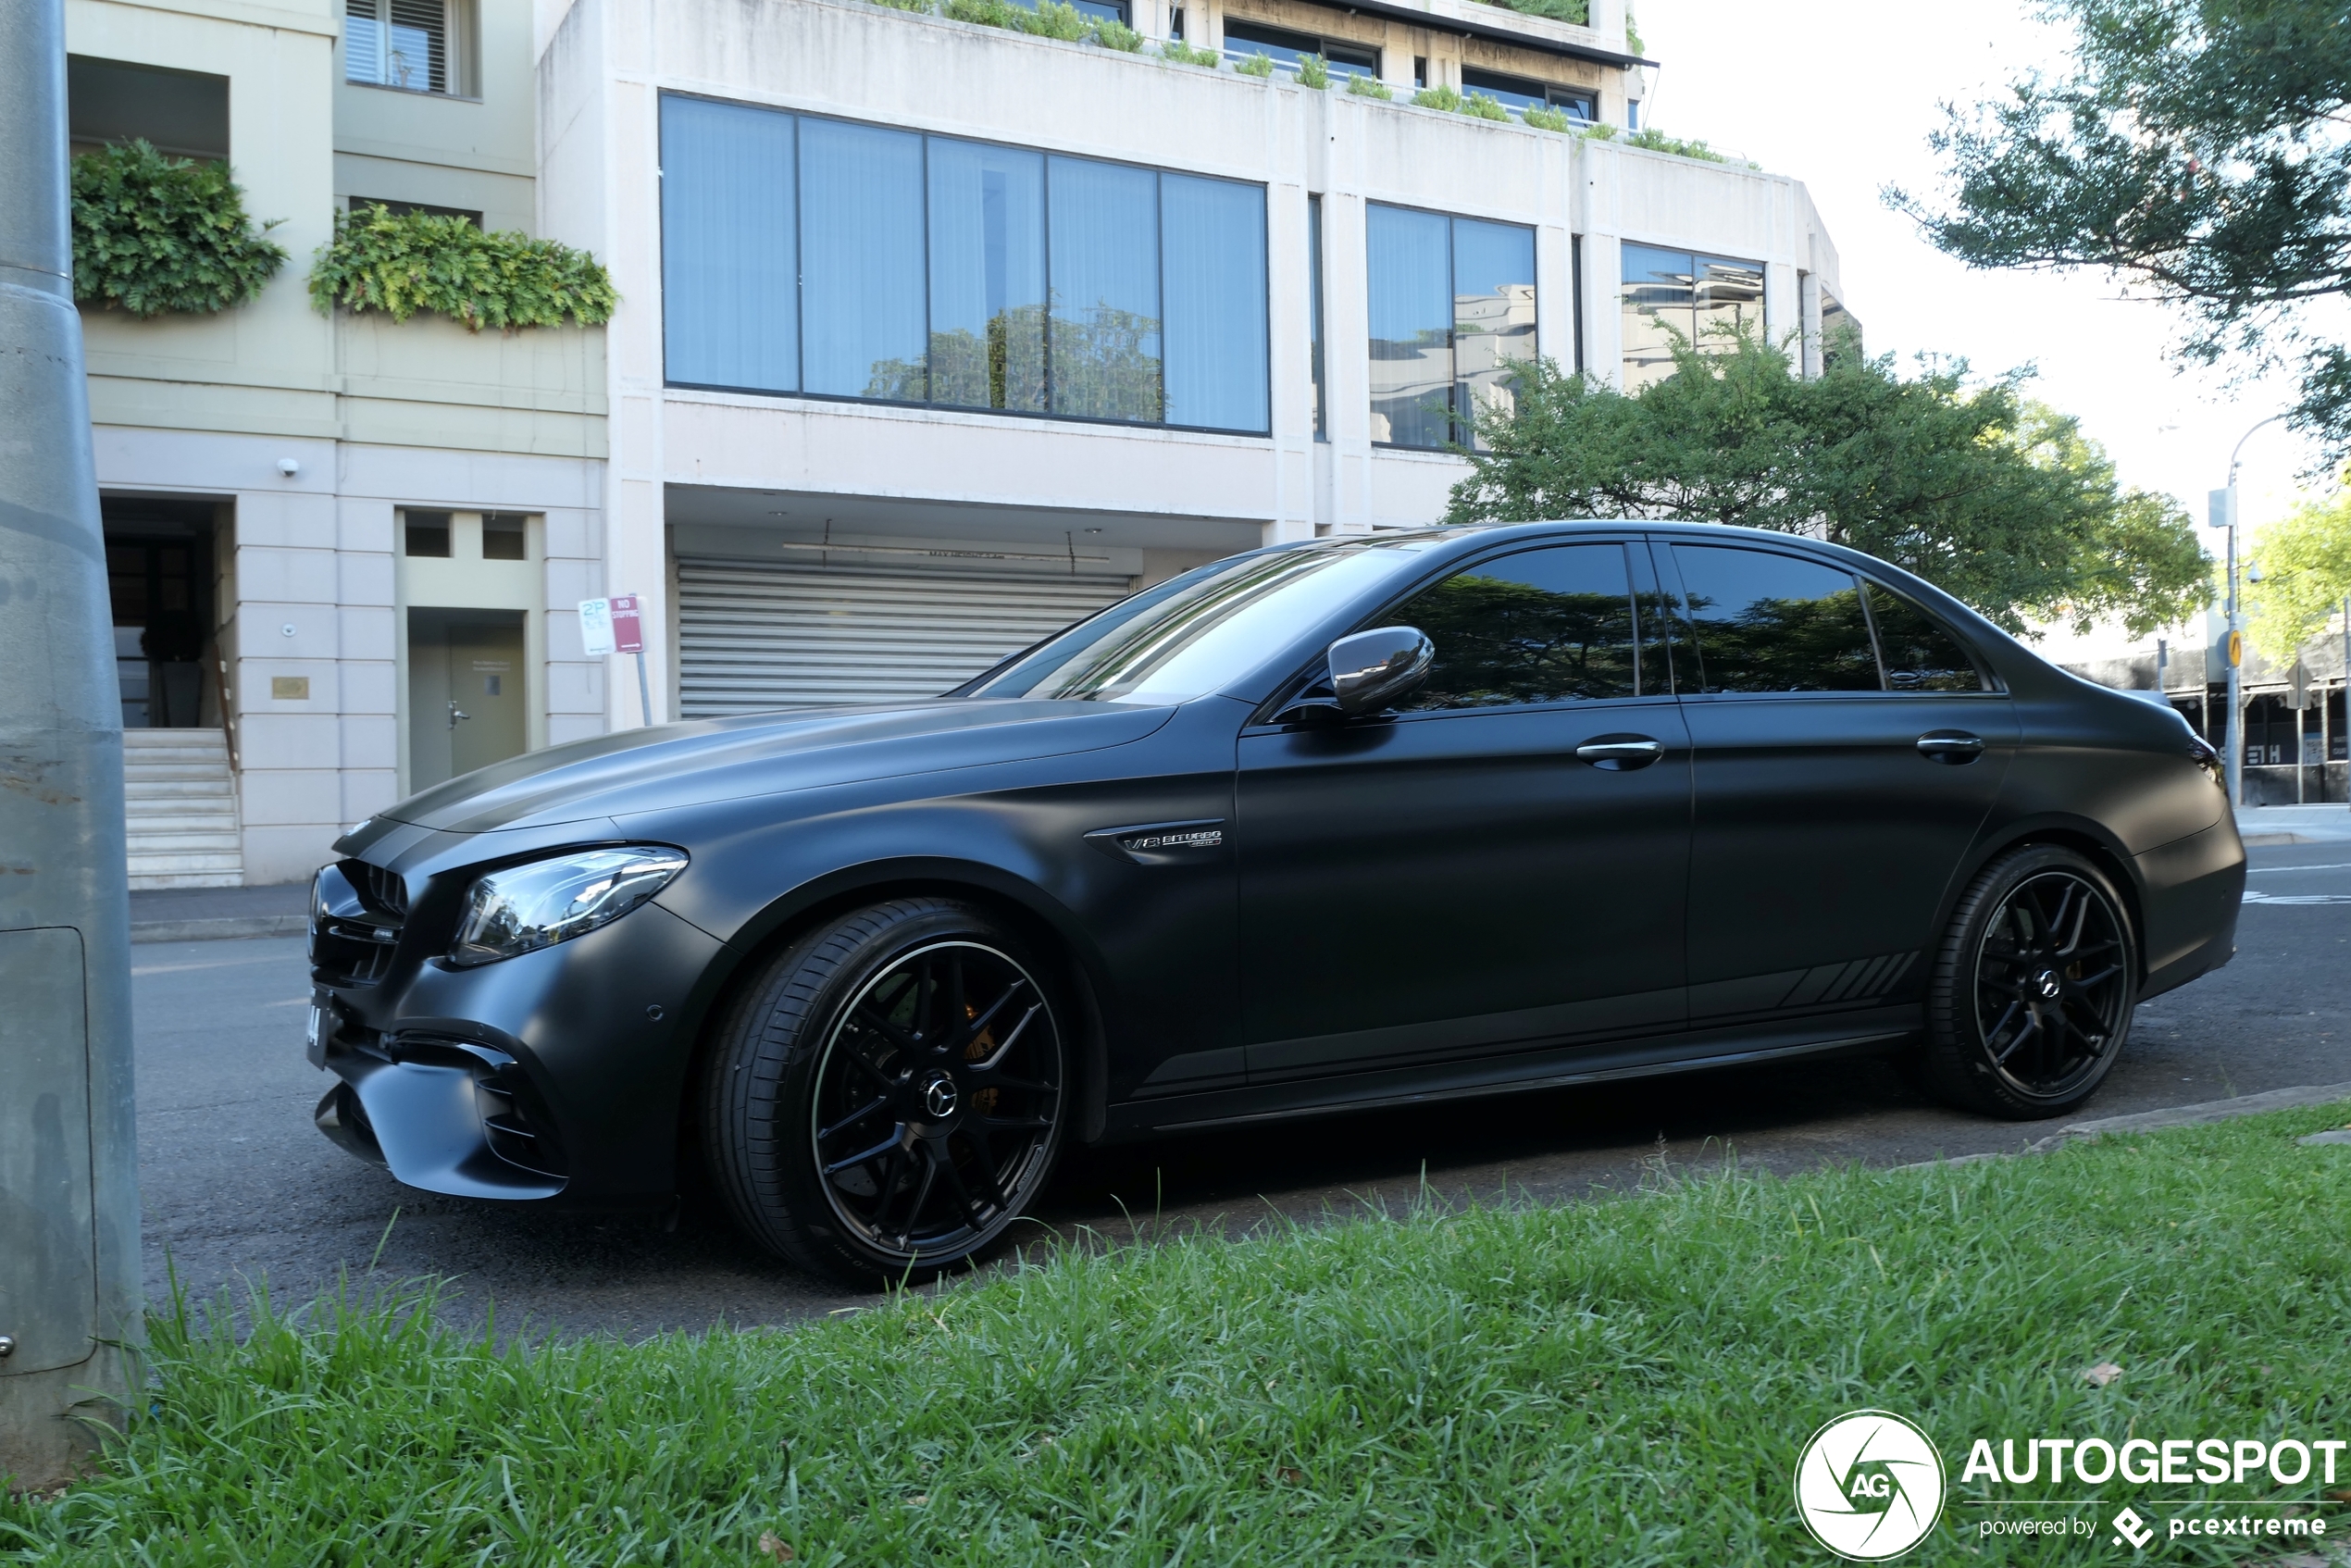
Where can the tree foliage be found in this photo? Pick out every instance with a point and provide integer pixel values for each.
(153, 234)
(2000, 502)
(2305, 574)
(2200, 147)
(400, 263)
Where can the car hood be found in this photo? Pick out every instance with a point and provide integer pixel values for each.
(721, 759)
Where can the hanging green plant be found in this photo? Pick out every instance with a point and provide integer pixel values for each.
(402, 263)
(152, 235)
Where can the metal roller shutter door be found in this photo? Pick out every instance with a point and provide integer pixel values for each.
(755, 635)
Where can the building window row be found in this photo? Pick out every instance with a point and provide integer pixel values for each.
(825, 258)
(811, 256)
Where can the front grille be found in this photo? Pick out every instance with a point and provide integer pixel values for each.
(356, 914)
(515, 1121)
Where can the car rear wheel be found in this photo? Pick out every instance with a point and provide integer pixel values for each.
(2031, 997)
(887, 1097)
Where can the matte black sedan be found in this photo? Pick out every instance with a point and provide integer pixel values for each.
(1360, 822)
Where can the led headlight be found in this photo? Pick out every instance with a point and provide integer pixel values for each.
(524, 908)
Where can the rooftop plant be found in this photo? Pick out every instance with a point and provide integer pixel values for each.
(1117, 35)
(1256, 64)
(1576, 11)
(1056, 19)
(1658, 142)
(1369, 87)
(1184, 54)
(1546, 119)
(1482, 107)
(1314, 71)
(155, 234)
(1438, 97)
(400, 263)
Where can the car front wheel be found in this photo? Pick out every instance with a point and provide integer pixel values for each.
(2032, 992)
(886, 1097)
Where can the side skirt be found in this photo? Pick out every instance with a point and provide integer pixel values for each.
(1560, 1066)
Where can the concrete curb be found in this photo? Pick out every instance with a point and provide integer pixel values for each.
(2148, 1121)
(219, 927)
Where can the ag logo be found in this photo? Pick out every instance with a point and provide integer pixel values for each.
(1870, 1486)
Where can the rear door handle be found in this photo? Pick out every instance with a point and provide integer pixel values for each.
(1620, 753)
(1950, 747)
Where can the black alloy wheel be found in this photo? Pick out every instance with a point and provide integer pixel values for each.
(2032, 993)
(884, 1101)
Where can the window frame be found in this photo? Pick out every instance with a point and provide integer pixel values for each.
(1322, 47)
(1550, 95)
(1695, 282)
(1671, 585)
(799, 274)
(460, 48)
(1452, 329)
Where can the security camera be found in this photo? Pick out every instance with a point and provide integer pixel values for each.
(288, 466)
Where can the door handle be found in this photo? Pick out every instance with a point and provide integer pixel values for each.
(1620, 753)
(1950, 747)
(454, 715)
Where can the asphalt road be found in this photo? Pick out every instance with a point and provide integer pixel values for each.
(241, 1190)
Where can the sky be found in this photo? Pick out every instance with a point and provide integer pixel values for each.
(1842, 94)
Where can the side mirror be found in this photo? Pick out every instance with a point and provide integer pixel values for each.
(1372, 669)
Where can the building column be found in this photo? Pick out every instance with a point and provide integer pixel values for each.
(1783, 320)
(1807, 294)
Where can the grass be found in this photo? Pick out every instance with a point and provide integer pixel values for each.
(1624, 1382)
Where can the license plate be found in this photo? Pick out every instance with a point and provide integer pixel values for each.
(315, 1039)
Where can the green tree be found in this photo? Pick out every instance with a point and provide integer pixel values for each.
(2000, 502)
(2197, 147)
(2305, 574)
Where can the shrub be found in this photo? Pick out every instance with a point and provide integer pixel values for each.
(153, 234)
(1546, 119)
(1576, 11)
(1438, 97)
(1479, 107)
(1658, 142)
(1111, 34)
(923, 5)
(1184, 54)
(1599, 132)
(406, 262)
(1369, 87)
(987, 13)
(1314, 71)
(1054, 19)
(1256, 64)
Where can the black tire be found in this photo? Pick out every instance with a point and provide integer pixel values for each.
(886, 1098)
(2029, 1000)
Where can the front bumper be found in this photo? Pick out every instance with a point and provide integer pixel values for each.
(558, 1074)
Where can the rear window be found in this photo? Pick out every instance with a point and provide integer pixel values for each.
(1767, 622)
(1921, 653)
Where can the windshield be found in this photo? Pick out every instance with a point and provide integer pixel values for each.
(1201, 631)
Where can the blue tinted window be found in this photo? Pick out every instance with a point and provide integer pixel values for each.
(803, 254)
(728, 256)
(860, 260)
(987, 277)
(1452, 304)
(1214, 235)
(1104, 337)
(1493, 315)
(1411, 325)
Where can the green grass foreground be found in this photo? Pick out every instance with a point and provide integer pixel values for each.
(1621, 1382)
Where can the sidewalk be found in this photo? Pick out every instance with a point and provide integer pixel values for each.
(2294, 824)
(187, 915)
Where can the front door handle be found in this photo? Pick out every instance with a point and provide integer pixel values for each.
(1620, 753)
(1950, 747)
(454, 715)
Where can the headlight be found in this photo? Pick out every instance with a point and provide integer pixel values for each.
(524, 908)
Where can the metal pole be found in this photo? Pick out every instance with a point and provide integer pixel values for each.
(69, 1265)
(644, 690)
(2236, 718)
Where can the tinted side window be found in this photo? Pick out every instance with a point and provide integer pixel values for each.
(1543, 626)
(1767, 622)
(1921, 653)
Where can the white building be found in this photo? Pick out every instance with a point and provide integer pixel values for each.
(934, 335)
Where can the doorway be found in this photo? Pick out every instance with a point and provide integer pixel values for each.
(159, 583)
(468, 699)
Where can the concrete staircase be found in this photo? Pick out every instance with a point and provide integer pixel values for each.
(181, 809)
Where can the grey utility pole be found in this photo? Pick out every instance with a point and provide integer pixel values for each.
(68, 1173)
(2224, 514)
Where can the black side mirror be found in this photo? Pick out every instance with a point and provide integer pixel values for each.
(1372, 669)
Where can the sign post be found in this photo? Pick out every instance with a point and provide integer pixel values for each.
(2222, 513)
(69, 1265)
(617, 625)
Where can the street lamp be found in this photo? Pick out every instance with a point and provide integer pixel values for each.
(2224, 515)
